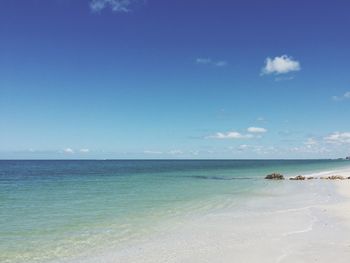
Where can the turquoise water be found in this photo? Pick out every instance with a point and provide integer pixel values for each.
(59, 209)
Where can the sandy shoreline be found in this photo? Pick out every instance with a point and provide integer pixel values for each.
(310, 225)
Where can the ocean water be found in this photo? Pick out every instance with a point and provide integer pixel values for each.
(52, 211)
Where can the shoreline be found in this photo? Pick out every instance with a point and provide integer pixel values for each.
(305, 225)
(179, 215)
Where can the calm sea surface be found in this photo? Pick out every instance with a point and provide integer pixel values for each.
(53, 210)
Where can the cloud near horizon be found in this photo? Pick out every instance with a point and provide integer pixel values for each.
(230, 135)
(310, 142)
(338, 138)
(68, 150)
(253, 132)
(280, 65)
(72, 151)
(256, 130)
(119, 6)
(152, 152)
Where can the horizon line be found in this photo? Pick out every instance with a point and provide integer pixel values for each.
(173, 159)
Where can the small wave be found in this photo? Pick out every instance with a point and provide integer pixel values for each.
(219, 177)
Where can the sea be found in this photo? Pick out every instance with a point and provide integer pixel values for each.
(57, 210)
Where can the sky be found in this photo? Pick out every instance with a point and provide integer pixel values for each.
(155, 79)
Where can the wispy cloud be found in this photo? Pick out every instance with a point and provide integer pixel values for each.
(221, 63)
(203, 61)
(311, 143)
(68, 150)
(338, 138)
(345, 96)
(230, 135)
(196, 152)
(152, 152)
(175, 152)
(209, 61)
(84, 150)
(121, 6)
(308, 150)
(256, 130)
(243, 147)
(261, 120)
(252, 132)
(280, 65)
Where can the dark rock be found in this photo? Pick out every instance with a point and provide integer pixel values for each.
(299, 177)
(274, 176)
(336, 177)
(310, 178)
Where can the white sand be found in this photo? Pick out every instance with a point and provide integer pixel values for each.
(288, 228)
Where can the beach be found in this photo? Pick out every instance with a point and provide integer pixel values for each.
(292, 229)
(173, 211)
(145, 131)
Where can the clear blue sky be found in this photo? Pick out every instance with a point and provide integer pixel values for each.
(174, 79)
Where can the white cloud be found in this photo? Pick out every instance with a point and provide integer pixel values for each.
(84, 150)
(152, 152)
(256, 130)
(280, 65)
(310, 143)
(338, 137)
(345, 96)
(253, 132)
(175, 152)
(309, 149)
(203, 61)
(231, 135)
(209, 61)
(195, 152)
(115, 5)
(68, 150)
(221, 63)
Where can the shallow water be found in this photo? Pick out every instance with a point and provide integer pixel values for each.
(60, 209)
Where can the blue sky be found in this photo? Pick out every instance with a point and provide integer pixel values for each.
(174, 79)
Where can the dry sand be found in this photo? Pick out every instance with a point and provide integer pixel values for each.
(295, 228)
